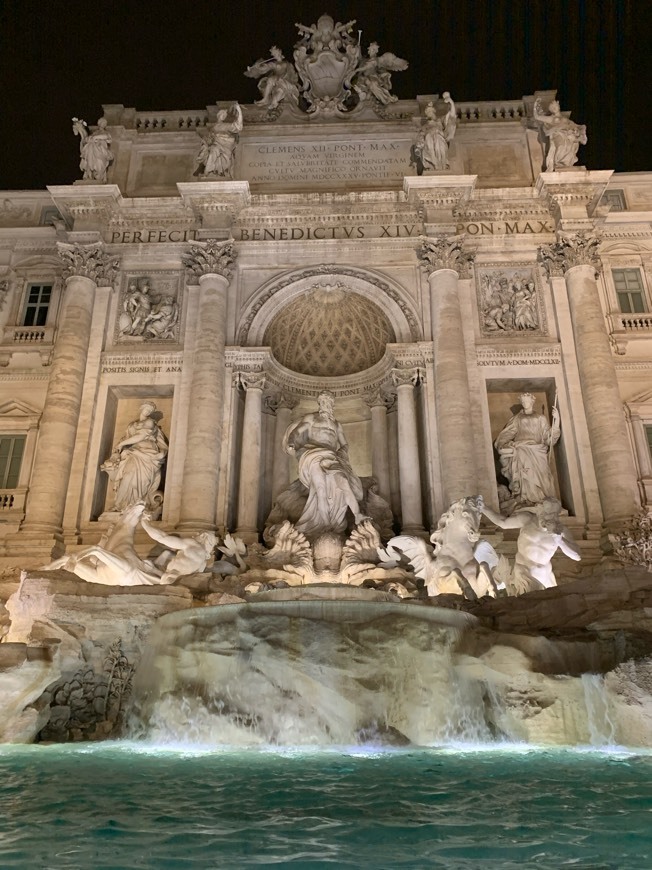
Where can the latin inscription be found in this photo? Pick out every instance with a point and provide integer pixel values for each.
(506, 228)
(151, 236)
(343, 231)
(325, 161)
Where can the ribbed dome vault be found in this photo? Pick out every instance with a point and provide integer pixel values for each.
(329, 331)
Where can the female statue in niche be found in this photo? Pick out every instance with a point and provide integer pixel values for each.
(135, 465)
(524, 446)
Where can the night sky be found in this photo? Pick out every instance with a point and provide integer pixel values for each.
(63, 58)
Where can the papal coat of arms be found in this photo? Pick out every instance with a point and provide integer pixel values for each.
(330, 76)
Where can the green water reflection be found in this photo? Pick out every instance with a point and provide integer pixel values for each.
(135, 806)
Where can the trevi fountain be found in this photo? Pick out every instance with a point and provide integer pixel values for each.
(326, 435)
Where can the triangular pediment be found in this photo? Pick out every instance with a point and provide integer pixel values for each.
(16, 408)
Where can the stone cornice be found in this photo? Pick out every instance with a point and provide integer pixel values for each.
(210, 257)
(87, 204)
(215, 203)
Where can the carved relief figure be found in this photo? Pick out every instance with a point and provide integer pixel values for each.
(319, 443)
(508, 303)
(278, 79)
(564, 136)
(373, 76)
(216, 153)
(95, 149)
(135, 464)
(524, 446)
(162, 319)
(430, 151)
(541, 535)
(147, 314)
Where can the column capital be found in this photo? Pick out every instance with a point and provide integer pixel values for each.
(88, 261)
(406, 377)
(252, 380)
(210, 257)
(379, 398)
(444, 252)
(570, 250)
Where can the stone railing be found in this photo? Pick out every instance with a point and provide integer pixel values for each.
(502, 110)
(28, 335)
(636, 322)
(13, 500)
(190, 120)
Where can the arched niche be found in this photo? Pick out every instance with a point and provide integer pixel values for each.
(379, 290)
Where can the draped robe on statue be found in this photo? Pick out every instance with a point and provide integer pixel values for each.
(324, 469)
(523, 446)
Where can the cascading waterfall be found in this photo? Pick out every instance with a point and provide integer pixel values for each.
(602, 728)
(338, 672)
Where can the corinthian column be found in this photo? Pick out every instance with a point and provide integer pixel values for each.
(378, 401)
(210, 264)
(443, 259)
(85, 266)
(576, 256)
(408, 451)
(249, 489)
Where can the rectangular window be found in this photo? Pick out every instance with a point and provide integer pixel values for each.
(38, 302)
(11, 456)
(629, 287)
(614, 198)
(648, 432)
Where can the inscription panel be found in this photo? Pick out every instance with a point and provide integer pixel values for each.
(315, 162)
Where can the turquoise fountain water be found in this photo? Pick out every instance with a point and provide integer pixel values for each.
(136, 806)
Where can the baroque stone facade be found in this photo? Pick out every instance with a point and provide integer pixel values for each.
(320, 259)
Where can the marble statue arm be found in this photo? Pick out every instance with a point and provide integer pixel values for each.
(142, 435)
(555, 430)
(514, 522)
(172, 542)
(238, 124)
(569, 547)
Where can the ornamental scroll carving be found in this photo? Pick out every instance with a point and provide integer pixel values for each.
(570, 250)
(210, 257)
(88, 261)
(446, 252)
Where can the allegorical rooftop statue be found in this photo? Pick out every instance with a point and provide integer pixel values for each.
(94, 150)
(430, 150)
(216, 154)
(564, 136)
